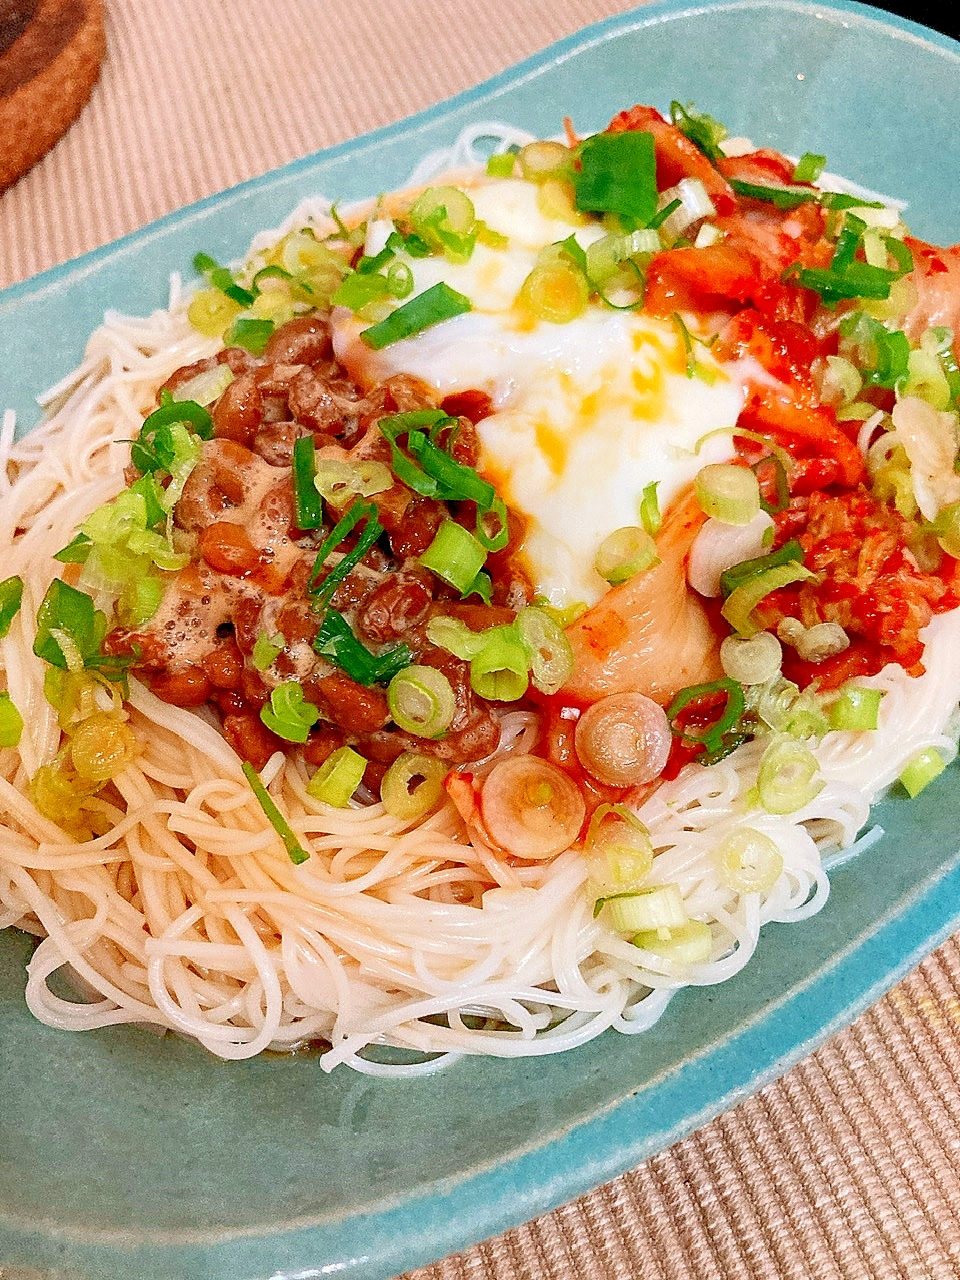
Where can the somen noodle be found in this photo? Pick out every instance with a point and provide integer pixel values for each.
(171, 897)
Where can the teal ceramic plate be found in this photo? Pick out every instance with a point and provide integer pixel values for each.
(126, 1156)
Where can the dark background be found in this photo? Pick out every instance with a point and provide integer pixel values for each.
(944, 16)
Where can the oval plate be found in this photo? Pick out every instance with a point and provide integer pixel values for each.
(121, 1154)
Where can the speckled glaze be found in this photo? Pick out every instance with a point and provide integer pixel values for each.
(122, 1155)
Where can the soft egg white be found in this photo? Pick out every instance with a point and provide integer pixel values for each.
(587, 413)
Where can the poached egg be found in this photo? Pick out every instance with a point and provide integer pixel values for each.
(586, 414)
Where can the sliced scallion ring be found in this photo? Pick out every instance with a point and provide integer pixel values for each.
(625, 552)
(748, 861)
(338, 480)
(619, 852)
(659, 908)
(556, 290)
(856, 708)
(455, 636)
(545, 159)
(413, 785)
(549, 655)
(454, 555)
(338, 777)
(499, 670)
(687, 944)
(788, 776)
(421, 701)
(728, 492)
(921, 771)
(751, 660)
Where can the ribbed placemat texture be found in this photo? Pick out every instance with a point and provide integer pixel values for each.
(849, 1167)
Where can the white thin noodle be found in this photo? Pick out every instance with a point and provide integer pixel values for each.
(189, 914)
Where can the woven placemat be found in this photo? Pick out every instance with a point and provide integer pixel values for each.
(849, 1166)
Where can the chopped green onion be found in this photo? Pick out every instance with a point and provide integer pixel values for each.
(411, 244)
(445, 219)
(781, 488)
(273, 271)
(921, 771)
(841, 200)
(295, 850)
(501, 164)
(545, 160)
(222, 278)
(783, 197)
(787, 778)
(499, 670)
(250, 333)
(751, 660)
(663, 215)
(11, 721)
(685, 944)
(728, 492)
(455, 636)
(856, 708)
(625, 553)
(413, 785)
(66, 613)
(359, 289)
(338, 777)
(702, 130)
(370, 265)
(847, 276)
(556, 289)
(171, 412)
(694, 367)
(441, 476)
(617, 174)
(320, 595)
(336, 642)
(154, 497)
(76, 551)
(619, 852)
(170, 447)
(650, 509)
(289, 716)
(738, 608)
(140, 600)
(658, 908)
(455, 555)
(422, 701)
(400, 280)
(266, 649)
(210, 311)
(548, 651)
(748, 861)
(781, 706)
(307, 505)
(436, 304)
(881, 356)
(457, 482)
(809, 167)
(737, 574)
(207, 386)
(715, 736)
(11, 597)
(946, 527)
(337, 480)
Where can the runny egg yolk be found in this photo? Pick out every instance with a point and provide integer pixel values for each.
(586, 413)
